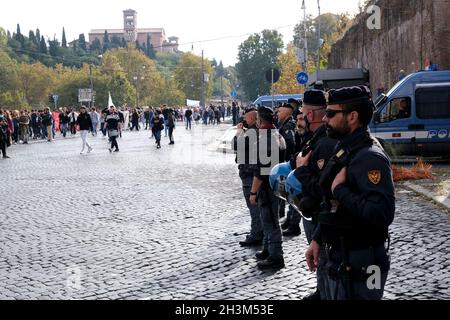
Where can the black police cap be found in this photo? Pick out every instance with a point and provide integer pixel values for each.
(292, 100)
(265, 113)
(249, 109)
(315, 97)
(360, 99)
(287, 105)
(349, 95)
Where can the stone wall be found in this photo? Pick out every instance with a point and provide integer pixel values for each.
(413, 33)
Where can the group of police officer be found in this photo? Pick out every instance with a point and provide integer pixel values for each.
(332, 173)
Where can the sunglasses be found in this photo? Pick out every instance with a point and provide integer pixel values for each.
(329, 113)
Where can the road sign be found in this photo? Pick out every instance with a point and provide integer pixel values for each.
(276, 75)
(55, 97)
(233, 94)
(302, 78)
(84, 95)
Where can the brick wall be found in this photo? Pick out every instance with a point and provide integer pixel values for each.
(413, 33)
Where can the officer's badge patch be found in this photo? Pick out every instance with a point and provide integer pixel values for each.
(320, 164)
(375, 176)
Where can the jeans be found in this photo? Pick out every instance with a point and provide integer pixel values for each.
(84, 134)
(94, 128)
(64, 128)
(189, 123)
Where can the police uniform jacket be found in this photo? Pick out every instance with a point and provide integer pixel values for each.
(366, 201)
(287, 131)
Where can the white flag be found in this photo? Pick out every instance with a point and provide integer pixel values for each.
(110, 102)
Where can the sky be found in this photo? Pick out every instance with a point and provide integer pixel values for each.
(215, 26)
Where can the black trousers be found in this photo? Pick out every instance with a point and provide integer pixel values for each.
(171, 133)
(114, 143)
(3, 147)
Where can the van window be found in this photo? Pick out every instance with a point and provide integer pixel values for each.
(396, 109)
(433, 103)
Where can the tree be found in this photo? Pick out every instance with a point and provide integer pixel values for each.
(106, 44)
(150, 50)
(188, 76)
(36, 82)
(332, 28)
(53, 48)
(19, 36)
(82, 42)
(64, 41)
(96, 46)
(38, 37)
(43, 46)
(256, 55)
(289, 68)
(8, 77)
(32, 37)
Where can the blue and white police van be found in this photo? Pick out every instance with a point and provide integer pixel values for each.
(273, 101)
(413, 118)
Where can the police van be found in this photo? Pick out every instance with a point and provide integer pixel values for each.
(273, 101)
(413, 118)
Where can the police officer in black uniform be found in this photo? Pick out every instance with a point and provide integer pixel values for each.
(286, 128)
(314, 132)
(310, 163)
(359, 203)
(297, 105)
(246, 134)
(270, 149)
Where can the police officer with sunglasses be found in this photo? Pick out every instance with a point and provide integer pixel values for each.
(358, 206)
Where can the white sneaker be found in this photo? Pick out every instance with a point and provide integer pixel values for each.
(82, 153)
(90, 149)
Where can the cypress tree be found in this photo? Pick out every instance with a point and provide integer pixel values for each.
(38, 37)
(43, 45)
(64, 41)
(82, 42)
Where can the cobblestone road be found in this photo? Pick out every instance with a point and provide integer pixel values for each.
(148, 224)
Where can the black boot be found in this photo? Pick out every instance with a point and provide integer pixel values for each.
(292, 232)
(271, 263)
(262, 255)
(248, 243)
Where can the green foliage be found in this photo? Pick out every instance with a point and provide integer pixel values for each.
(256, 55)
(188, 76)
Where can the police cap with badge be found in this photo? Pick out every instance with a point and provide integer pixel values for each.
(266, 114)
(357, 98)
(315, 98)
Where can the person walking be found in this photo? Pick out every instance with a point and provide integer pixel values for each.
(95, 118)
(47, 123)
(16, 127)
(157, 127)
(3, 129)
(112, 125)
(24, 122)
(85, 124)
(171, 124)
(188, 117)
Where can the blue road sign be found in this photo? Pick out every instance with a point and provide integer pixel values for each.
(55, 97)
(234, 94)
(302, 78)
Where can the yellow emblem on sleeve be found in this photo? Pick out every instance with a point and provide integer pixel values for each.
(375, 176)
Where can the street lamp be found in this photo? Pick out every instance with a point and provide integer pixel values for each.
(319, 42)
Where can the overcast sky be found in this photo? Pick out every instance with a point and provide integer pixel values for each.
(195, 22)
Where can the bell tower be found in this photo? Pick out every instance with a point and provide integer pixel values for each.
(130, 25)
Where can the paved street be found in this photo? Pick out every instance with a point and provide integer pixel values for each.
(148, 224)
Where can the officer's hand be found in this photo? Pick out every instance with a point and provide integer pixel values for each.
(253, 201)
(340, 179)
(312, 256)
(303, 161)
